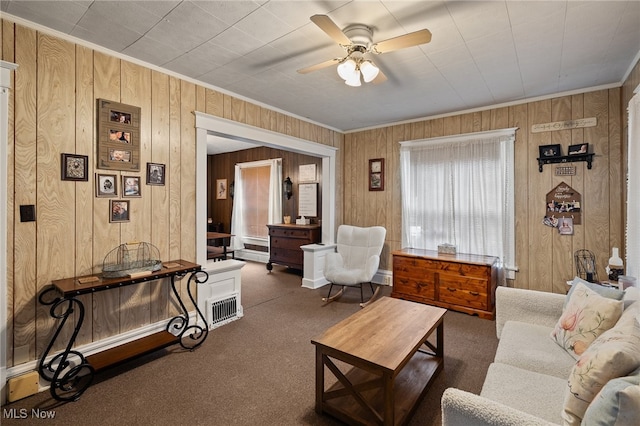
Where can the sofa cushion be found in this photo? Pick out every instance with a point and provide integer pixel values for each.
(586, 316)
(604, 291)
(528, 346)
(618, 403)
(537, 394)
(616, 353)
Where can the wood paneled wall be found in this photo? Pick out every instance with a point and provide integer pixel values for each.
(53, 111)
(544, 258)
(222, 166)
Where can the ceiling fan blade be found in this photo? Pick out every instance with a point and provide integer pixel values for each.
(319, 66)
(380, 78)
(408, 40)
(328, 26)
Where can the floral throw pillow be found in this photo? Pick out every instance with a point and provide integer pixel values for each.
(585, 317)
(616, 353)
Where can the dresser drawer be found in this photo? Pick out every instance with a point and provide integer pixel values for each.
(287, 243)
(285, 256)
(423, 286)
(463, 291)
(290, 233)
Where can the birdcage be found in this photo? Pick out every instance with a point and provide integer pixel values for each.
(131, 258)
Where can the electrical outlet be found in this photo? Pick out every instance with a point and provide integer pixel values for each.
(387, 280)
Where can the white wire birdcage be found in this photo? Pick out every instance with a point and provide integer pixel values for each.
(130, 258)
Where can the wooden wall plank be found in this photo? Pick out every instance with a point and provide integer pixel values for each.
(159, 195)
(173, 167)
(24, 166)
(187, 179)
(596, 208)
(136, 90)
(518, 117)
(84, 125)
(8, 54)
(106, 236)
(55, 198)
(562, 253)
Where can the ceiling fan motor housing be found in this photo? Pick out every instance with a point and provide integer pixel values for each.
(361, 36)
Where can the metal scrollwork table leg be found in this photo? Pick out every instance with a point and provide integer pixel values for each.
(179, 325)
(69, 372)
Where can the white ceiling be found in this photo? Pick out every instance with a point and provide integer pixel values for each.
(482, 52)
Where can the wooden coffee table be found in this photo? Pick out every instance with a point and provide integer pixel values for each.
(390, 363)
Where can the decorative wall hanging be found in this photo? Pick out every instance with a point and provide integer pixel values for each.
(131, 186)
(221, 189)
(564, 125)
(307, 173)
(118, 136)
(376, 174)
(119, 211)
(155, 174)
(563, 202)
(106, 185)
(74, 167)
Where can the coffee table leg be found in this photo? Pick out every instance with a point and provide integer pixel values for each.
(319, 379)
(389, 400)
(440, 340)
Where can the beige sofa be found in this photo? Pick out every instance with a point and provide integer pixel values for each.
(528, 380)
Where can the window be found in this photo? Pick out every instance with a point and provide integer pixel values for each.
(257, 201)
(459, 190)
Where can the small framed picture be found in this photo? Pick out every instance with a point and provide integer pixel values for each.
(106, 185)
(119, 211)
(155, 174)
(221, 189)
(131, 186)
(582, 148)
(549, 151)
(74, 167)
(376, 174)
(565, 226)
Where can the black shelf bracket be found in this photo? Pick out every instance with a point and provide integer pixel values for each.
(566, 159)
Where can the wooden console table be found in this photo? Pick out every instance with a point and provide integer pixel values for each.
(69, 371)
(462, 282)
(393, 363)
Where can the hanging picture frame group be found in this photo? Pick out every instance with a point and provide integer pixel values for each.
(118, 136)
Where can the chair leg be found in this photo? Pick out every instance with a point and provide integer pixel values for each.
(330, 298)
(373, 297)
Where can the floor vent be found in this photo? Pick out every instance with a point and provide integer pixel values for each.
(221, 311)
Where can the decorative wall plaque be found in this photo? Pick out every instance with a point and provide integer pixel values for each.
(564, 202)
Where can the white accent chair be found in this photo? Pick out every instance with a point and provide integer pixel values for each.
(356, 259)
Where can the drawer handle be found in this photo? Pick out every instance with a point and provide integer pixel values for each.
(421, 284)
(474, 293)
(451, 289)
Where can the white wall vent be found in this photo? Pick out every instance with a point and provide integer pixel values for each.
(222, 310)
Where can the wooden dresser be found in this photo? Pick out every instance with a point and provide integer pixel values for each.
(285, 242)
(461, 282)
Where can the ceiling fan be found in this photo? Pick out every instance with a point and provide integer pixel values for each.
(357, 40)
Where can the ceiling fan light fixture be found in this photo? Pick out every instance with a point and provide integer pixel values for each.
(354, 80)
(347, 69)
(369, 71)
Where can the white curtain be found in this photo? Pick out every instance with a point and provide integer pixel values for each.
(633, 190)
(275, 199)
(459, 190)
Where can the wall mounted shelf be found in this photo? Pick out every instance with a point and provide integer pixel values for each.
(566, 159)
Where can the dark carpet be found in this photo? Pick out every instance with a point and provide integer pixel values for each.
(258, 370)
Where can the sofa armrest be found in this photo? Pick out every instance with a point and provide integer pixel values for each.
(531, 306)
(464, 408)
